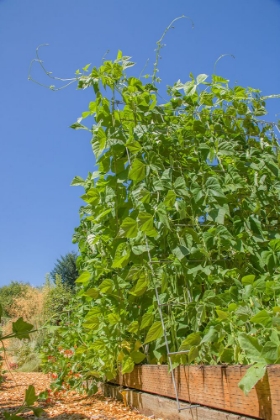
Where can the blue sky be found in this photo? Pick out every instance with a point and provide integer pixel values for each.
(40, 154)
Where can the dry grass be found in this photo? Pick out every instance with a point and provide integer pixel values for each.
(22, 353)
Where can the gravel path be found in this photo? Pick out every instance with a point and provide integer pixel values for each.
(64, 404)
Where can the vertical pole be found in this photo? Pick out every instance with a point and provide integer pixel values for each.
(167, 349)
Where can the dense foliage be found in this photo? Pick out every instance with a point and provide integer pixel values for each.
(186, 202)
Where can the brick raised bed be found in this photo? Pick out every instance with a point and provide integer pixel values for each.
(211, 386)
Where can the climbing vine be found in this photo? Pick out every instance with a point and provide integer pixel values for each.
(185, 201)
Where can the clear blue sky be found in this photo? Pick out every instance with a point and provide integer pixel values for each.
(40, 154)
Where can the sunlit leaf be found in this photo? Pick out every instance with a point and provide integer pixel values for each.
(155, 332)
(21, 329)
(252, 376)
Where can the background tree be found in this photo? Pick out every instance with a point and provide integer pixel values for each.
(11, 292)
(66, 268)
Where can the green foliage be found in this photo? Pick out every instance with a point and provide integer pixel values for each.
(56, 297)
(66, 268)
(10, 292)
(185, 201)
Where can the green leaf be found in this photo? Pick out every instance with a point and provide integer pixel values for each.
(127, 365)
(214, 188)
(21, 329)
(248, 279)
(180, 252)
(211, 336)
(255, 225)
(93, 293)
(147, 320)
(192, 339)
(84, 277)
(262, 318)
(92, 107)
(133, 327)
(139, 249)
(30, 396)
(251, 377)
(43, 395)
(194, 234)
(137, 356)
(140, 288)
(95, 311)
(274, 337)
(91, 323)
(193, 354)
(134, 146)
(37, 411)
(270, 352)
(219, 79)
(99, 142)
(170, 199)
(259, 285)
(162, 214)
(9, 416)
(275, 245)
(119, 55)
(201, 78)
(137, 171)
(217, 215)
(113, 318)
(78, 126)
(107, 286)
(222, 314)
(154, 332)
(91, 197)
(146, 223)
(227, 356)
(206, 98)
(121, 256)
(250, 346)
(198, 126)
(78, 181)
(180, 183)
(189, 88)
(273, 168)
(86, 67)
(128, 228)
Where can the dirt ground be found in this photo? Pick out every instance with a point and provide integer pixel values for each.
(64, 404)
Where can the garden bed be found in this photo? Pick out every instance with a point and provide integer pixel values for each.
(211, 386)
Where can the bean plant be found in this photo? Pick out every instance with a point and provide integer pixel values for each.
(184, 203)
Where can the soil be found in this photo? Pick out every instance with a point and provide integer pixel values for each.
(64, 404)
